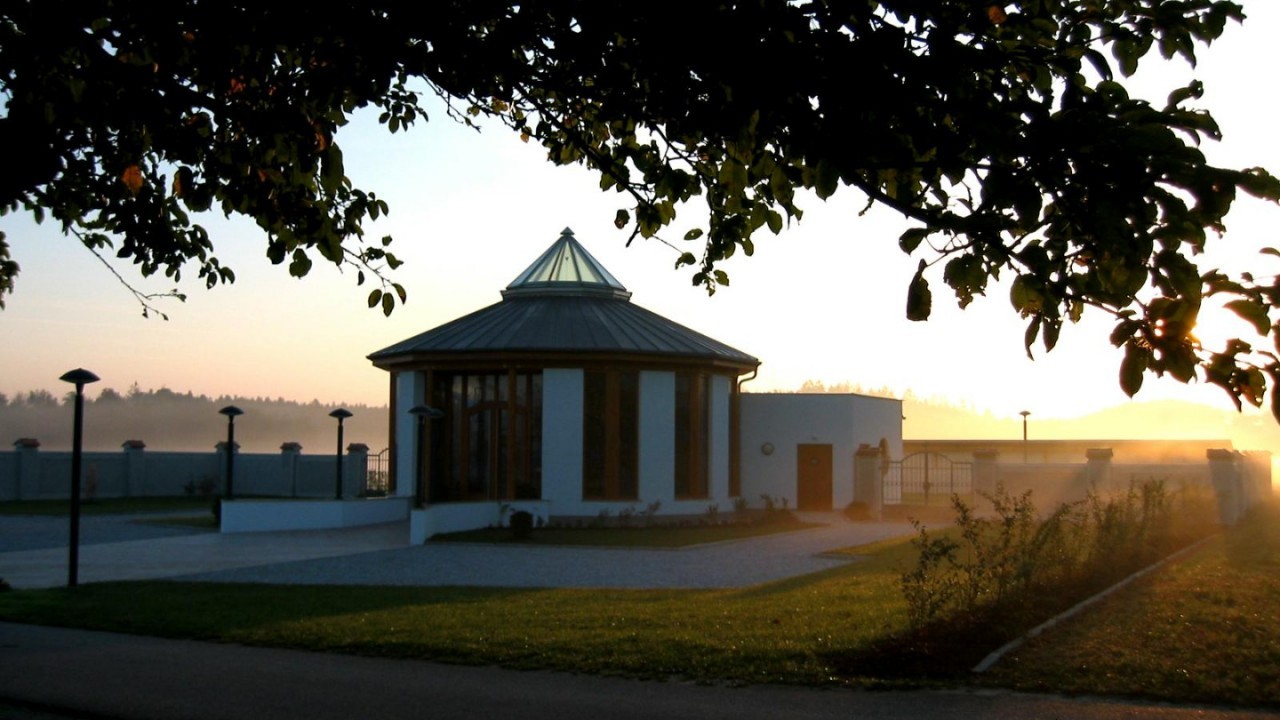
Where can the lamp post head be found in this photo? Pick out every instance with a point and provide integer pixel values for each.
(1024, 414)
(79, 377)
(426, 412)
(231, 411)
(341, 414)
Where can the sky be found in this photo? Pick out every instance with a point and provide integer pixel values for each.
(825, 300)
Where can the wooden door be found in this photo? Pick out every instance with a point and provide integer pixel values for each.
(813, 477)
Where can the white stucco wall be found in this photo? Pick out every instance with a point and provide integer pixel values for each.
(718, 442)
(562, 439)
(410, 392)
(657, 437)
(843, 421)
(562, 447)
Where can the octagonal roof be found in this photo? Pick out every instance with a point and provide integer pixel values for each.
(565, 303)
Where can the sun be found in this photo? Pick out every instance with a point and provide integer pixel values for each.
(1216, 325)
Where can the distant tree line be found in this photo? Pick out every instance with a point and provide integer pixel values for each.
(168, 420)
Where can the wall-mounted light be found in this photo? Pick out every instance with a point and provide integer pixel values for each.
(767, 448)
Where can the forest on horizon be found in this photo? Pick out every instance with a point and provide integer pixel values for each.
(167, 420)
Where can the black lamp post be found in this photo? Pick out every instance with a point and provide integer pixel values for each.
(79, 377)
(341, 414)
(1024, 415)
(231, 411)
(423, 413)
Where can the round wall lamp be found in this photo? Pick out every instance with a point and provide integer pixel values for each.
(767, 448)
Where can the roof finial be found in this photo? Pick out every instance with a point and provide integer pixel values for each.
(566, 231)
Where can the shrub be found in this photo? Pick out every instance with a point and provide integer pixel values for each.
(1007, 562)
(521, 524)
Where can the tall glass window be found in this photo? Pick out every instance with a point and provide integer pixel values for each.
(489, 444)
(692, 439)
(610, 435)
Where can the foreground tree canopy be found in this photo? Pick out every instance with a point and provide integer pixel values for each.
(1003, 131)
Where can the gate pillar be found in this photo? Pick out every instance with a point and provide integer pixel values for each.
(986, 473)
(868, 481)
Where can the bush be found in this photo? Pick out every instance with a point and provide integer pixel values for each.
(521, 524)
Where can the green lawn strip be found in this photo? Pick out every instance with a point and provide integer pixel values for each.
(106, 506)
(1204, 629)
(797, 631)
(647, 537)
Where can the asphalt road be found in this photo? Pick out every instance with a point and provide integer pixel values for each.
(75, 673)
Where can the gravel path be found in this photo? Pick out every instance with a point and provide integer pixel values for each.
(722, 565)
(33, 554)
(42, 532)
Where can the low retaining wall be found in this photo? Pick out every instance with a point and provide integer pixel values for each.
(241, 516)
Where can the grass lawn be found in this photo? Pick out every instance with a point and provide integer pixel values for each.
(106, 506)
(649, 537)
(1202, 629)
(205, 521)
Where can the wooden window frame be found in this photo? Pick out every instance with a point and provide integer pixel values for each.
(610, 465)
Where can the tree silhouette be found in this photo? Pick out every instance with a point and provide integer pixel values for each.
(1003, 131)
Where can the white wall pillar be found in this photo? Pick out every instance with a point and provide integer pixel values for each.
(657, 437)
(562, 440)
(135, 468)
(411, 390)
(718, 446)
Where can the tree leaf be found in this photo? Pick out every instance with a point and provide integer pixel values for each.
(911, 239)
(1133, 368)
(827, 179)
(301, 264)
(919, 297)
(1253, 312)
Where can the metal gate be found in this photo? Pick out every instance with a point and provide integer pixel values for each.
(926, 478)
(377, 479)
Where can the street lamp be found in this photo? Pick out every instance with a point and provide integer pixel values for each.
(423, 413)
(78, 377)
(341, 414)
(1024, 415)
(231, 411)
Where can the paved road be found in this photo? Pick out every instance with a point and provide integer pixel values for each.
(79, 673)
